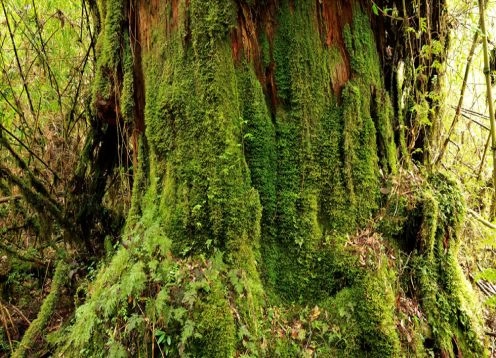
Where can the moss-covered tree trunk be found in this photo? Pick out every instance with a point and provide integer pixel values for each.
(263, 132)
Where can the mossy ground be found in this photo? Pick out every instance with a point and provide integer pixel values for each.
(237, 242)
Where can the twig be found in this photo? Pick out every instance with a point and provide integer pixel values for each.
(5, 325)
(11, 306)
(474, 113)
(16, 253)
(7, 199)
(481, 219)
(480, 124)
(487, 74)
(38, 197)
(460, 100)
(483, 159)
(2, 128)
(21, 73)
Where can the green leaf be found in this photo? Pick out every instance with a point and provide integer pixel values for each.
(188, 330)
(375, 9)
(160, 335)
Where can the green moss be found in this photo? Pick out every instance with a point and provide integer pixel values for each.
(265, 50)
(326, 179)
(109, 47)
(360, 43)
(447, 298)
(375, 313)
(127, 93)
(364, 315)
(383, 116)
(194, 126)
(300, 72)
(37, 327)
(360, 151)
(216, 329)
(195, 198)
(114, 18)
(141, 182)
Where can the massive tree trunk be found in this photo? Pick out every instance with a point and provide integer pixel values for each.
(263, 132)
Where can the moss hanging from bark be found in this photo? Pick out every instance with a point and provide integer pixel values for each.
(109, 49)
(327, 173)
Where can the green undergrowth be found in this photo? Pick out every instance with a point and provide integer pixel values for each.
(148, 300)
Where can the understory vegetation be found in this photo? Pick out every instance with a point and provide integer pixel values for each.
(241, 179)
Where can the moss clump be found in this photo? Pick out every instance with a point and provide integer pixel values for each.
(109, 49)
(36, 328)
(194, 122)
(127, 93)
(141, 182)
(378, 335)
(359, 320)
(446, 297)
(360, 43)
(360, 162)
(216, 330)
(383, 115)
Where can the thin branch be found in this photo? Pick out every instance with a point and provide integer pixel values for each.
(21, 73)
(8, 199)
(16, 253)
(34, 181)
(474, 113)
(2, 128)
(483, 159)
(96, 16)
(460, 100)
(17, 107)
(42, 53)
(487, 74)
(45, 57)
(38, 199)
(481, 219)
(76, 96)
(11, 306)
(482, 125)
